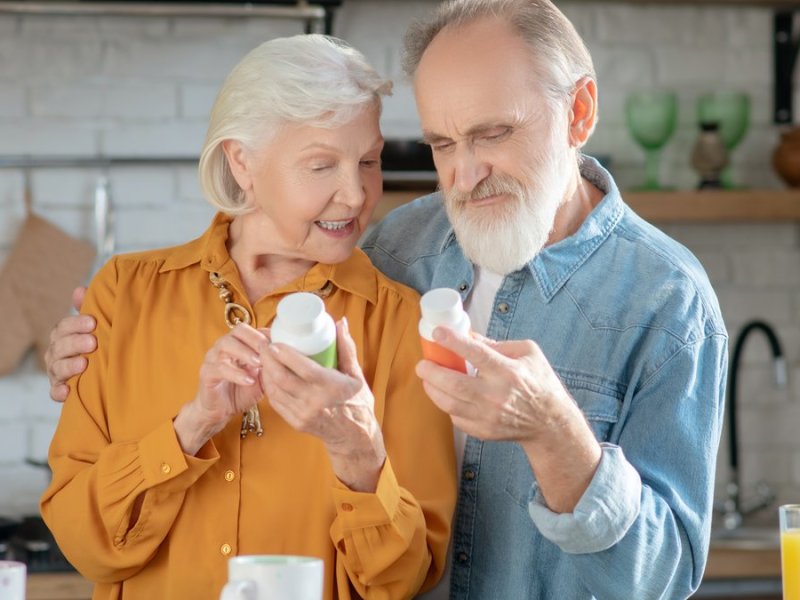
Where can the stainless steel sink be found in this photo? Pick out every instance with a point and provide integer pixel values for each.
(746, 538)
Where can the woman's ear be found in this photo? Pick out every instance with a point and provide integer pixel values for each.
(237, 163)
(583, 112)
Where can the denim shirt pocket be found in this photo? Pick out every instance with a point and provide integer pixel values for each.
(601, 411)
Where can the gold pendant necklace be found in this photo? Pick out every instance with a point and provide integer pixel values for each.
(234, 315)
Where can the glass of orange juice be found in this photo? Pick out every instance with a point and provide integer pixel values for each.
(790, 550)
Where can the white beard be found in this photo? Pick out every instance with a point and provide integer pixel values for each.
(505, 236)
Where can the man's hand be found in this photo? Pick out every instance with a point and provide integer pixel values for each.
(71, 338)
(517, 396)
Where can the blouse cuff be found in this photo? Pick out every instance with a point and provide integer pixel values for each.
(164, 463)
(357, 510)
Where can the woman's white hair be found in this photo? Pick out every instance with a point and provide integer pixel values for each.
(559, 54)
(308, 79)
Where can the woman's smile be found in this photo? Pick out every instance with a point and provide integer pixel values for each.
(337, 229)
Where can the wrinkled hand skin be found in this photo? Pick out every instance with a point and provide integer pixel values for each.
(517, 396)
(336, 406)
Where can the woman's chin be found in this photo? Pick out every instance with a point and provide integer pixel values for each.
(333, 255)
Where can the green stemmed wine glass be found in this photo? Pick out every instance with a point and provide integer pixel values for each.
(651, 117)
(731, 110)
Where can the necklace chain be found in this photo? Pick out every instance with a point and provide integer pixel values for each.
(234, 315)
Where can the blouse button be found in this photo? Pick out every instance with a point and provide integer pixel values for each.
(463, 557)
(462, 287)
(230, 475)
(502, 308)
(347, 507)
(469, 475)
(225, 549)
(165, 468)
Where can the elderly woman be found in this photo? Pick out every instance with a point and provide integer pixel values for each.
(159, 475)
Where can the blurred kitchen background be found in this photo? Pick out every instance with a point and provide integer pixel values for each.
(141, 87)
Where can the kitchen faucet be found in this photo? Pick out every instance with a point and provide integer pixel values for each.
(733, 507)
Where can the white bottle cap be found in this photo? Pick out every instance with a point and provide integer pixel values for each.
(442, 306)
(301, 313)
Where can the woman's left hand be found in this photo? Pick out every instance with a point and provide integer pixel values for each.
(336, 406)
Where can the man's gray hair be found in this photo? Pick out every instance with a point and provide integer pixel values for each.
(304, 79)
(559, 53)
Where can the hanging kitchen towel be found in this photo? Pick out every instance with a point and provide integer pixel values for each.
(16, 336)
(45, 265)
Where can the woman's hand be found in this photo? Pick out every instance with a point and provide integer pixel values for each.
(336, 406)
(229, 385)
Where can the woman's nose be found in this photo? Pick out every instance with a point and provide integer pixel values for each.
(352, 192)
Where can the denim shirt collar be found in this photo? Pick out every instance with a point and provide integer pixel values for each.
(555, 264)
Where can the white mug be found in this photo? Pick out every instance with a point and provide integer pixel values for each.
(12, 580)
(273, 577)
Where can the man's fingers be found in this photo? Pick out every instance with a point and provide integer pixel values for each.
(62, 370)
(479, 353)
(72, 345)
(78, 295)
(454, 406)
(59, 392)
(516, 348)
(72, 324)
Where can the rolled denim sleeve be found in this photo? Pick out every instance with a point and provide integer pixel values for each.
(604, 513)
(644, 521)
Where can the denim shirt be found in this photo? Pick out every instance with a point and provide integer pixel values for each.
(627, 318)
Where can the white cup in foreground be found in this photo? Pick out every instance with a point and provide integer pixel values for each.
(273, 577)
(12, 580)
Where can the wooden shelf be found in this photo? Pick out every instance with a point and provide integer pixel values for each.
(716, 206)
(735, 206)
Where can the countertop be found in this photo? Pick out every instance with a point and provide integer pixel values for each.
(58, 586)
(723, 564)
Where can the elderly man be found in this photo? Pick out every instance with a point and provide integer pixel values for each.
(590, 432)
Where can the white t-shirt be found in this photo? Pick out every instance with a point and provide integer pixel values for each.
(479, 308)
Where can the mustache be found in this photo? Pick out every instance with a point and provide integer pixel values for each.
(493, 185)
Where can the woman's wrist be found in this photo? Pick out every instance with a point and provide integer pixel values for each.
(192, 430)
(359, 465)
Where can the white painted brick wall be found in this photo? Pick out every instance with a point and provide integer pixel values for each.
(82, 86)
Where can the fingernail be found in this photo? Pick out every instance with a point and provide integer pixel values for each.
(345, 325)
(256, 360)
(274, 349)
(249, 380)
(439, 334)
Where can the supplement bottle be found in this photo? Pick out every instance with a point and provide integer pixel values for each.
(443, 307)
(302, 323)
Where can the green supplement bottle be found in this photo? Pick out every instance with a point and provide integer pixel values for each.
(302, 323)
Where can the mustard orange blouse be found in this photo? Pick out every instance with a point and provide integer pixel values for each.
(157, 315)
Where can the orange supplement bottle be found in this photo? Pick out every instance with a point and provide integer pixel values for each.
(443, 307)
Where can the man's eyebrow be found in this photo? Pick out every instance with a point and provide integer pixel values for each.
(432, 138)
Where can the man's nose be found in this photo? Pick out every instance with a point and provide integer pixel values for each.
(469, 170)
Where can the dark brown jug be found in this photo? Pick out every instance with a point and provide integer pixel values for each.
(786, 158)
